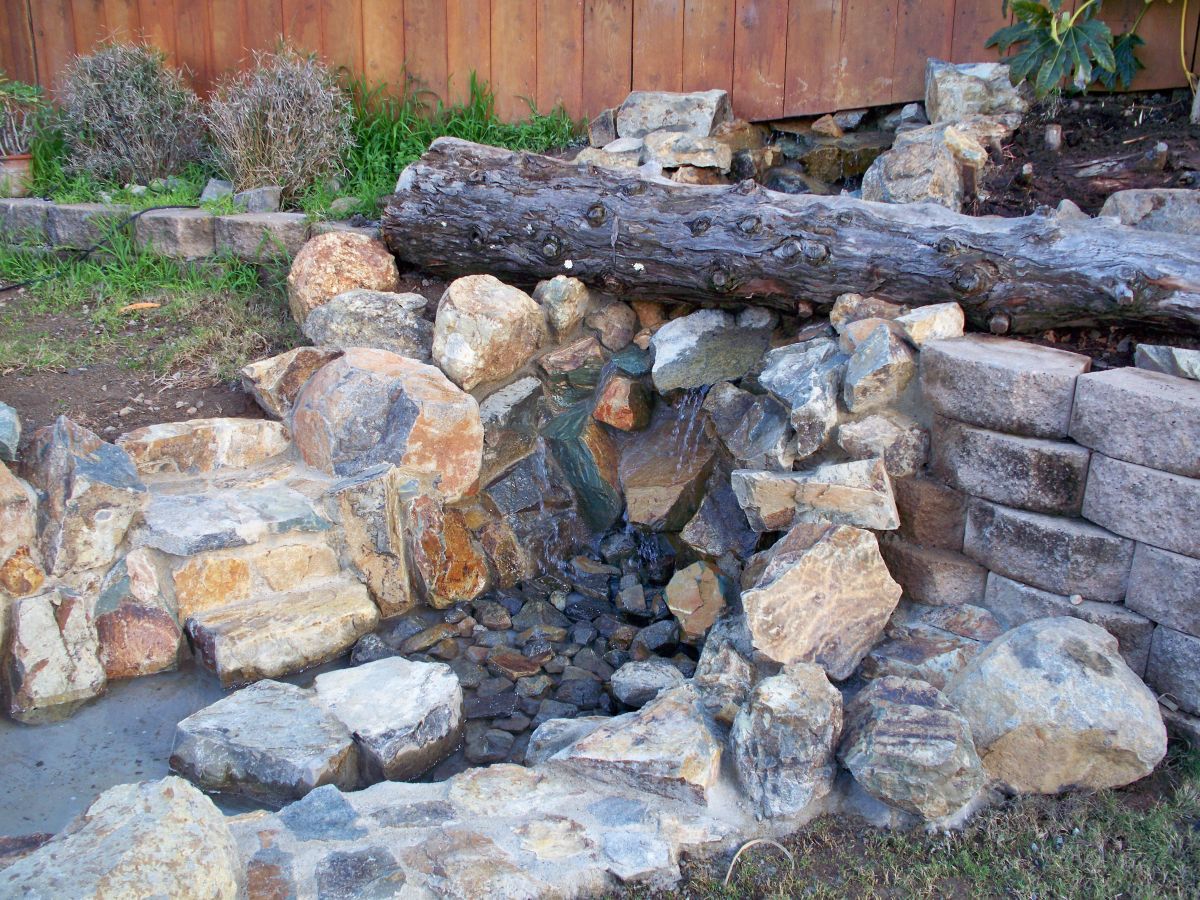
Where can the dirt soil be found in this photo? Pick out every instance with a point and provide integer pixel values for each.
(1117, 133)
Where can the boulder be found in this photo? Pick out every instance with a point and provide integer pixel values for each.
(935, 322)
(906, 745)
(1141, 417)
(588, 459)
(602, 127)
(1029, 473)
(637, 682)
(1168, 360)
(136, 625)
(854, 493)
(451, 564)
(697, 113)
(807, 378)
(485, 330)
(614, 322)
(823, 596)
(879, 370)
(696, 595)
(1013, 604)
(954, 91)
(554, 735)
(378, 319)
(1066, 556)
(622, 153)
(1053, 707)
(153, 839)
(922, 652)
(199, 446)
(10, 432)
(270, 741)
(899, 441)
(850, 308)
(91, 494)
(369, 508)
(719, 525)
(666, 748)
(724, 678)
(53, 665)
(372, 406)
(1175, 210)
(565, 301)
(705, 347)
(754, 428)
(672, 149)
(275, 382)
(510, 418)
(622, 403)
(405, 716)
(21, 571)
(664, 471)
(1002, 384)
(784, 738)
(331, 264)
(919, 168)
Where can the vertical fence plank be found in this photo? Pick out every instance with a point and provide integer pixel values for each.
(924, 28)
(228, 42)
(302, 24)
(868, 52)
(658, 45)
(425, 46)
(383, 43)
(813, 56)
(192, 36)
(54, 38)
(708, 29)
(559, 51)
(514, 65)
(121, 19)
(468, 45)
(16, 42)
(158, 25)
(342, 34)
(974, 23)
(89, 19)
(263, 24)
(759, 66)
(607, 57)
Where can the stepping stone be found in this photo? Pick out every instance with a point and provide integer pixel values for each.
(285, 632)
(270, 741)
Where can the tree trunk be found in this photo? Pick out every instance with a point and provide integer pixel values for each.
(465, 208)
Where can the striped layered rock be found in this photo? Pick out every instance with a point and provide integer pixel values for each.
(824, 596)
(855, 493)
(204, 445)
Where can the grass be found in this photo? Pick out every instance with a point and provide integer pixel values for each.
(1138, 842)
(389, 133)
(211, 317)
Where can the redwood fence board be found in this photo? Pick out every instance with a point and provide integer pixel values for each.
(776, 57)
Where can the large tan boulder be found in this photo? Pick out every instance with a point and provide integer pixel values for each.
(330, 264)
(1053, 707)
(371, 406)
(154, 839)
(485, 330)
(823, 596)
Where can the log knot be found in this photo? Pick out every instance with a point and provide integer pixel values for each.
(749, 224)
(700, 225)
(597, 215)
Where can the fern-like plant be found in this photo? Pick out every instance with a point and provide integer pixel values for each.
(1056, 45)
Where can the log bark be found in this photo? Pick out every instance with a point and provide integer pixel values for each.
(465, 208)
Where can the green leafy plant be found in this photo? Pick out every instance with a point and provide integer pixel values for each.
(20, 107)
(128, 117)
(1074, 46)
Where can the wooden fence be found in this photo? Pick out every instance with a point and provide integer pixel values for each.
(777, 57)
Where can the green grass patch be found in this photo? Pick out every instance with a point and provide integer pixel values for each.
(1138, 842)
(211, 316)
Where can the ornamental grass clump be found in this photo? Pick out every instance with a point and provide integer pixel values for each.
(128, 117)
(284, 122)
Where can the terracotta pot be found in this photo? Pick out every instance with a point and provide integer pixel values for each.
(16, 175)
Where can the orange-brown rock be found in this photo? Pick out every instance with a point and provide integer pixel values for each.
(204, 445)
(275, 382)
(372, 406)
(20, 565)
(449, 561)
(138, 633)
(332, 263)
(623, 404)
(210, 581)
(663, 472)
(696, 595)
(20, 575)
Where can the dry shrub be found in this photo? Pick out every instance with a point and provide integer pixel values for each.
(126, 116)
(284, 122)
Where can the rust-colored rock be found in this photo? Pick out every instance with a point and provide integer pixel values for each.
(210, 581)
(332, 263)
(138, 633)
(696, 596)
(449, 561)
(623, 404)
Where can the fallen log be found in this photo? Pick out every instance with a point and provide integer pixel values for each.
(465, 208)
